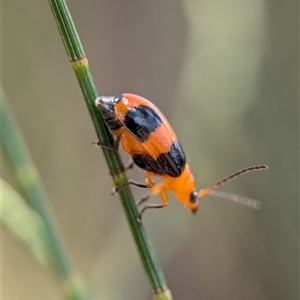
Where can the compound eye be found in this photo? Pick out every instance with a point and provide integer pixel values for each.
(193, 197)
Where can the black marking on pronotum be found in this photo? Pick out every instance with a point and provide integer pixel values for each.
(171, 163)
(141, 121)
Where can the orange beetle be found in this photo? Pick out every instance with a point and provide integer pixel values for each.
(145, 134)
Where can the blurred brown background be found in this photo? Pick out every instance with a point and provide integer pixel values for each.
(225, 73)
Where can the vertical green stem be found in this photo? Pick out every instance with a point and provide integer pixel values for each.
(80, 66)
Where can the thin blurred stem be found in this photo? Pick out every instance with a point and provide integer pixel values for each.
(30, 182)
(80, 66)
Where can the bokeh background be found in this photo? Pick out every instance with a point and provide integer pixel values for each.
(226, 75)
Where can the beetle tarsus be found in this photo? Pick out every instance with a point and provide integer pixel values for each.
(143, 199)
(147, 185)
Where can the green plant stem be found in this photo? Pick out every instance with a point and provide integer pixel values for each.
(24, 223)
(29, 181)
(80, 66)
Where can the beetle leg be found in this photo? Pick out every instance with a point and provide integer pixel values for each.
(164, 198)
(143, 199)
(148, 185)
(114, 148)
(156, 190)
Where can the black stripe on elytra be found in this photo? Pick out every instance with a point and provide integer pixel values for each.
(171, 163)
(141, 121)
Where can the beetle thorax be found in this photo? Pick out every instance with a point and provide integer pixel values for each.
(182, 187)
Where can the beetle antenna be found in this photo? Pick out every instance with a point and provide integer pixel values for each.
(235, 198)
